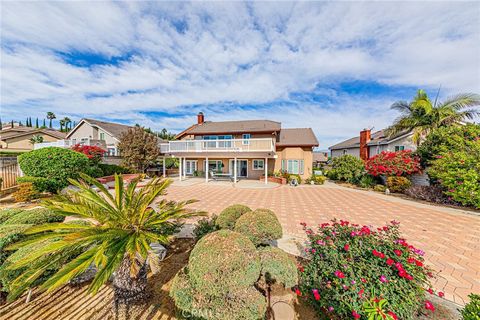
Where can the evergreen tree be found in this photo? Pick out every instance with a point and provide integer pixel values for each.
(44, 125)
(36, 123)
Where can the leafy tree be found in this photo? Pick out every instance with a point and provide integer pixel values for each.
(139, 148)
(422, 116)
(36, 139)
(347, 168)
(118, 240)
(50, 116)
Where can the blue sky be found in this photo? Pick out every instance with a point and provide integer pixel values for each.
(332, 66)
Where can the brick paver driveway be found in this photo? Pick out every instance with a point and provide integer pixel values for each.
(450, 237)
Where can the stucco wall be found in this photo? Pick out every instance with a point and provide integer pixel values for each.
(296, 153)
(352, 151)
(251, 174)
(87, 131)
(23, 142)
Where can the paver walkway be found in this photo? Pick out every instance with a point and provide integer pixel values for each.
(450, 237)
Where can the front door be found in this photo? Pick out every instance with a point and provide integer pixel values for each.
(190, 166)
(242, 168)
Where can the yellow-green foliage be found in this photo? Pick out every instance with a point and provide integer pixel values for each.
(229, 215)
(260, 226)
(278, 267)
(25, 192)
(398, 184)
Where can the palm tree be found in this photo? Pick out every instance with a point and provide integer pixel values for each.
(62, 123)
(422, 116)
(51, 116)
(124, 224)
(67, 121)
(36, 139)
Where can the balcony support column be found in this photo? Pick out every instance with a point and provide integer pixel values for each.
(164, 173)
(180, 169)
(235, 170)
(206, 170)
(266, 170)
(185, 167)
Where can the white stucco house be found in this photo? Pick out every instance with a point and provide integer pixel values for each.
(368, 144)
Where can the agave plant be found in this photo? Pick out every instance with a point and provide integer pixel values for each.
(122, 226)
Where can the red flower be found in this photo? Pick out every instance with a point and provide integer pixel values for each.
(297, 292)
(339, 274)
(418, 263)
(390, 261)
(355, 314)
(363, 280)
(398, 252)
(441, 294)
(430, 291)
(429, 306)
(316, 294)
(346, 247)
(393, 315)
(360, 293)
(411, 260)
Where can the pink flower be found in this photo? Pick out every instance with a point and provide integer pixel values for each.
(313, 250)
(355, 314)
(398, 252)
(383, 278)
(429, 306)
(320, 243)
(363, 280)
(360, 293)
(330, 309)
(441, 294)
(346, 247)
(390, 261)
(339, 274)
(316, 294)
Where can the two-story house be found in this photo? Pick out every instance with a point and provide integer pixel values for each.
(242, 149)
(368, 144)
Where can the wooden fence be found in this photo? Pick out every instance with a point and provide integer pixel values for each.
(8, 175)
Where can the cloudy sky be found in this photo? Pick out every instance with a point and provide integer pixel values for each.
(335, 67)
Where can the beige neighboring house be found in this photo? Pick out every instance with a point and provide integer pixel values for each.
(18, 137)
(100, 133)
(242, 149)
(368, 144)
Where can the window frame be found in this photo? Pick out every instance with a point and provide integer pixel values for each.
(257, 161)
(246, 139)
(399, 148)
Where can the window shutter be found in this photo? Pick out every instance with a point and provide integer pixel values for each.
(301, 166)
(283, 165)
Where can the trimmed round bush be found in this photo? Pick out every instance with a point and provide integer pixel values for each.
(278, 267)
(248, 304)
(55, 164)
(35, 217)
(223, 261)
(260, 226)
(6, 214)
(230, 215)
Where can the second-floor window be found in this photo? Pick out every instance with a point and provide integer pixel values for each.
(218, 144)
(246, 138)
(399, 148)
(102, 135)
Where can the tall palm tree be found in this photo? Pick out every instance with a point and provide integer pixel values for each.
(51, 116)
(62, 123)
(67, 121)
(422, 116)
(118, 239)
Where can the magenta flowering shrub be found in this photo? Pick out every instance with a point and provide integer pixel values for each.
(349, 264)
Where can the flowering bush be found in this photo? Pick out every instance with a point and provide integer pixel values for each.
(350, 264)
(458, 172)
(388, 163)
(93, 153)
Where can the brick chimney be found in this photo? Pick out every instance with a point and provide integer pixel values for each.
(365, 137)
(200, 118)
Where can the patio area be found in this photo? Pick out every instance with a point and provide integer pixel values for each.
(241, 184)
(450, 237)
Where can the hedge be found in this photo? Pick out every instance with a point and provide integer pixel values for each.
(278, 267)
(229, 215)
(260, 226)
(35, 217)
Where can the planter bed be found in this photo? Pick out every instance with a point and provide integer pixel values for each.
(278, 180)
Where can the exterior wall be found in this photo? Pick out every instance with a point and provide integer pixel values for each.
(23, 142)
(351, 151)
(296, 153)
(87, 131)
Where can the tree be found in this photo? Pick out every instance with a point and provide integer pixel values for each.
(51, 116)
(123, 225)
(67, 122)
(422, 116)
(62, 123)
(138, 148)
(36, 123)
(44, 126)
(36, 139)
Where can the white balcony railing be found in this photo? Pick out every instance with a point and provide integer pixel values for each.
(58, 143)
(224, 145)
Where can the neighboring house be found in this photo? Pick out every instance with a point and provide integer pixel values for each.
(92, 133)
(19, 138)
(319, 158)
(245, 149)
(370, 144)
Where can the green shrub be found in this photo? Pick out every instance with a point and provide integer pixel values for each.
(229, 215)
(8, 235)
(54, 164)
(93, 171)
(260, 226)
(398, 184)
(446, 139)
(25, 192)
(472, 309)
(292, 176)
(35, 217)
(278, 267)
(347, 168)
(39, 184)
(317, 179)
(111, 169)
(6, 214)
(458, 172)
(218, 282)
(360, 263)
(367, 181)
(205, 226)
(379, 188)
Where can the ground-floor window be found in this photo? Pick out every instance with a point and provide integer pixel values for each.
(399, 148)
(258, 164)
(215, 165)
(292, 166)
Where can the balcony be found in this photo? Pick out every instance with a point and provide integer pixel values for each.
(227, 145)
(71, 143)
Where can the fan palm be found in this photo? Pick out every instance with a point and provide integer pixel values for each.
(123, 225)
(422, 116)
(51, 116)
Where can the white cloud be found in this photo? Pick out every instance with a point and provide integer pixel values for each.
(177, 55)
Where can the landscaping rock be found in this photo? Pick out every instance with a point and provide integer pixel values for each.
(88, 275)
(159, 250)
